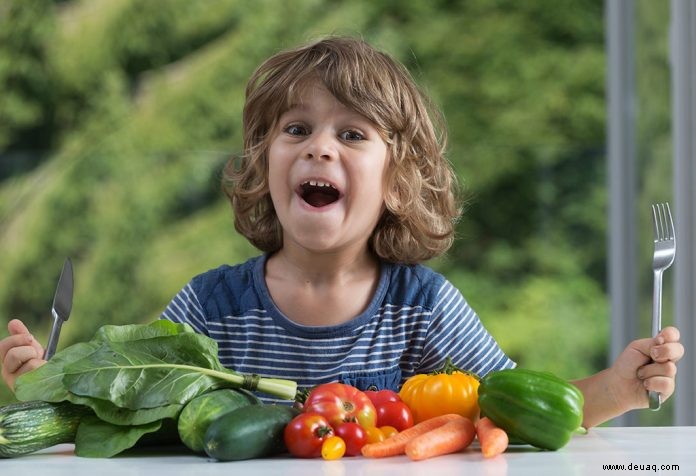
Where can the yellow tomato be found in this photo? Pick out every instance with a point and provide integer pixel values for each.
(374, 434)
(449, 390)
(333, 448)
(388, 431)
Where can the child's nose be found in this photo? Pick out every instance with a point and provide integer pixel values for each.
(321, 146)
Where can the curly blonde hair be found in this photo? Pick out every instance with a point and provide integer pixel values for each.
(421, 203)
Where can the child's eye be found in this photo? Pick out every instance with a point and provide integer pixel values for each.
(296, 130)
(352, 136)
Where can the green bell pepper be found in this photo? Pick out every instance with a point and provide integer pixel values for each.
(537, 408)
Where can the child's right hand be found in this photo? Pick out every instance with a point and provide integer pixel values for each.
(19, 352)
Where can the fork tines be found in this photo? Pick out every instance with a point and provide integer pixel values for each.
(662, 222)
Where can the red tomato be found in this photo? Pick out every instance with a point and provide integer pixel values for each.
(340, 403)
(396, 414)
(378, 397)
(354, 436)
(305, 434)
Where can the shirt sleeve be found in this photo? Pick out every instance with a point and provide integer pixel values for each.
(456, 332)
(185, 308)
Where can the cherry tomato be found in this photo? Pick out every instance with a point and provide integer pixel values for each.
(354, 436)
(333, 448)
(378, 397)
(374, 435)
(340, 403)
(388, 431)
(305, 435)
(396, 414)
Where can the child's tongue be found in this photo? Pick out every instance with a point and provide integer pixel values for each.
(318, 198)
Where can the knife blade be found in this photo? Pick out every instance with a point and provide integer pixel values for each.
(62, 305)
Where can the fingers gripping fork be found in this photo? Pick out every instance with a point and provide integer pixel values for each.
(663, 257)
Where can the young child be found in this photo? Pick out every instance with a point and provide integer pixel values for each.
(345, 188)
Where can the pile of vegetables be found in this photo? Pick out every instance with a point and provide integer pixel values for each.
(130, 381)
(339, 419)
(535, 408)
(162, 383)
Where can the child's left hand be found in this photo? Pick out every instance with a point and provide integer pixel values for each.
(647, 364)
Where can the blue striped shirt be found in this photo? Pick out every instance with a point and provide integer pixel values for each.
(415, 320)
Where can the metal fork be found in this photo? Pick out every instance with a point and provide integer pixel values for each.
(663, 257)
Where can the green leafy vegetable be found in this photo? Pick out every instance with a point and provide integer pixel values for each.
(109, 412)
(145, 373)
(90, 441)
(134, 377)
(139, 367)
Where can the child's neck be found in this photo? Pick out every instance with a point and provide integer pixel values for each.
(321, 290)
(323, 269)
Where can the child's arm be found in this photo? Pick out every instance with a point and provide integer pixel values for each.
(645, 364)
(19, 352)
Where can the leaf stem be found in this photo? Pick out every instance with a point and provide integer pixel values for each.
(285, 389)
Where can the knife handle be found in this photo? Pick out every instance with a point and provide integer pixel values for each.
(53, 336)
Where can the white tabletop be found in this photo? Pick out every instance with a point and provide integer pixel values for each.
(650, 450)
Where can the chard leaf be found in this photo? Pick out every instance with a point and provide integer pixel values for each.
(147, 373)
(110, 413)
(46, 382)
(133, 332)
(98, 439)
(137, 374)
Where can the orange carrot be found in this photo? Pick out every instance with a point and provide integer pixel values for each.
(493, 440)
(449, 438)
(396, 445)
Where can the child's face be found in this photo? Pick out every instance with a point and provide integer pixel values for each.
(326, 166)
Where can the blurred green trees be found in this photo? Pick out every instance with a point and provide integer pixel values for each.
(116, 117)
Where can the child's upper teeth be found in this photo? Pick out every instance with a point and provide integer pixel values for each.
(317, 183)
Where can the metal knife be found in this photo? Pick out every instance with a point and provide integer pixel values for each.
(62, 305)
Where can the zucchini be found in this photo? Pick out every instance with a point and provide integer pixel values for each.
(538, 408)
(196, 416)
(26, 427)
(249, 432)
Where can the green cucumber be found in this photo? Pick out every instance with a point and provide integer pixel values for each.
(197, 415)
(249, 432)
(31, 426)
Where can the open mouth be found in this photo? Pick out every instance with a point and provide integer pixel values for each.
(318, 194)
